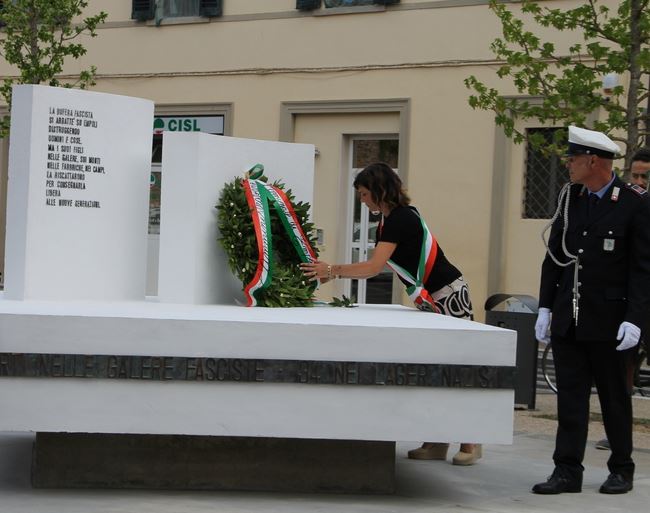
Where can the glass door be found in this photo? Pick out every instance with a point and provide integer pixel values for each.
(378, 289)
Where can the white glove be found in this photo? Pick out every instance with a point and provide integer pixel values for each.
(629, 334)
(542, 325)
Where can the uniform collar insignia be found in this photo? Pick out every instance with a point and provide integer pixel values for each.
(639, 190)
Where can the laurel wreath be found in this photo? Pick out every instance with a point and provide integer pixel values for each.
(288, 286)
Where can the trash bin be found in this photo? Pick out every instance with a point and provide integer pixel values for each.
(518, 313)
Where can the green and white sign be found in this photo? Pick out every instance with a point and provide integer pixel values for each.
(207, 124)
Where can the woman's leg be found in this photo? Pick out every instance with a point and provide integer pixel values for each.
(429, 451)
(454, 300)
(468, 454)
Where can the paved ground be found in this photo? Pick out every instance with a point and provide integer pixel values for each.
(499, 483)
(535, 422)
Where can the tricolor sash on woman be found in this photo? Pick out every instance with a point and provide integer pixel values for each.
(260, 196)
(415, 288)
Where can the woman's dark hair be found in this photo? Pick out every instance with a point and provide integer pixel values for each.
(384, 185)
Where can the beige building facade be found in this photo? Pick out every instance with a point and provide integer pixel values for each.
(360, 82)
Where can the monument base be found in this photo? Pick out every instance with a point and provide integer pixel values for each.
(89, 460)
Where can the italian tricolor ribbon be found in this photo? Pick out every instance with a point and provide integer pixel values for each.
(260, 196)
(415, 290)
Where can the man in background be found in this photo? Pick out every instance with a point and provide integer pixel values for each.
(640, 168)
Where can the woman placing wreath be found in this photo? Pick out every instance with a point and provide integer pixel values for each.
(406, 245)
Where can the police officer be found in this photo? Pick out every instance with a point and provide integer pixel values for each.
(595, 297)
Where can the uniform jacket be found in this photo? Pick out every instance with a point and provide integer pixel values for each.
(613, 247)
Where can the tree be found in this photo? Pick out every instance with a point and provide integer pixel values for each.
(569, 82)
(37, 37)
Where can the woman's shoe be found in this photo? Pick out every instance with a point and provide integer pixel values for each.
(468, 458)
(429, 451)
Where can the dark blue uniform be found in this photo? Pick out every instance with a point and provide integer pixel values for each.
(612, 242)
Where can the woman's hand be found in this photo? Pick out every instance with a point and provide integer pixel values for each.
(319, 270)
(316, 270)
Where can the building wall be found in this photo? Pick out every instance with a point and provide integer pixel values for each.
(264, 54)
(330, 133)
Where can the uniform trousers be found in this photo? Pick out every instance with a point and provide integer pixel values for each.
(578, 365)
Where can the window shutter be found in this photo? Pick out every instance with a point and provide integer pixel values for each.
(2, 22)
(143, 10)
(307, 5)
(385, 2)
(211, 8)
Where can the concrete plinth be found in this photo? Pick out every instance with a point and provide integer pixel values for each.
(377, 372)
(83, 460)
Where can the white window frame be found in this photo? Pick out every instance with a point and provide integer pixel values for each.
(352, 199)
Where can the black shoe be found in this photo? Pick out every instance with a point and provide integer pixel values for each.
(616, 483)
(603, 444)
(559, 483)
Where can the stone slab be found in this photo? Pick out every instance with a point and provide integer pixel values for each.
(193, 268)
(82, 460)
(76, 207)
(310, 410)
(369, 333)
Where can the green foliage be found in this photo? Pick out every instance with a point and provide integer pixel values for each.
(37, 38)
(567, 87)
(343, 301)
(288, 286)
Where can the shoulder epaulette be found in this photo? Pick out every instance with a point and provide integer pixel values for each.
(639, 190)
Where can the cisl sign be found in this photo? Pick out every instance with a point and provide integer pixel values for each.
(207, 124)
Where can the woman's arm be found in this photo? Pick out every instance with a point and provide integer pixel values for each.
(367, 269)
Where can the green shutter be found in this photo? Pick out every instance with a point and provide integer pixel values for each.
(307, 5)
(385, 2)
(211, 8)
(143, 10)
(2, 21)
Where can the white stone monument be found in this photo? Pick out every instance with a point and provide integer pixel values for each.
(193, 267)
(79, 165)
(125, 366)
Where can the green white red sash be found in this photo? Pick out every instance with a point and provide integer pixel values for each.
(415, 288)
(259, 196)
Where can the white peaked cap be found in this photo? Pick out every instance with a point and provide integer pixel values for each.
(590, 142)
